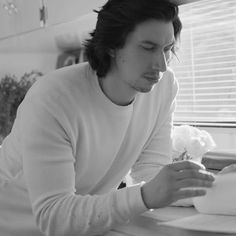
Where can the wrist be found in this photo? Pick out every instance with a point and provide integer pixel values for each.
(143, 195)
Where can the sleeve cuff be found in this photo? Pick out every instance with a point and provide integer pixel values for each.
(130, 202)
(135, 199)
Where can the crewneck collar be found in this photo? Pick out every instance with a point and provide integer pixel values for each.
(104, 99)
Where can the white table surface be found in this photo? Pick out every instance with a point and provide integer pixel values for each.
(148, 224)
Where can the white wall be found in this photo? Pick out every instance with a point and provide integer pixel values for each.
(20, 63)
(39, 49)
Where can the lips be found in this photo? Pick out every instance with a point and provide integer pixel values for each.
(154, 77)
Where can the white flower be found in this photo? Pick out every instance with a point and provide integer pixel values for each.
(190, 143)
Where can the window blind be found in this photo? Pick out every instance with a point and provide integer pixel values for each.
(206, 69)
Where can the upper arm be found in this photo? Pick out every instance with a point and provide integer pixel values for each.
(48, 163)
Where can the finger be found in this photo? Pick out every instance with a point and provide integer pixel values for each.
(188, 193)
(198, 174)
(228, 169)
(184, 165)
(187, 183)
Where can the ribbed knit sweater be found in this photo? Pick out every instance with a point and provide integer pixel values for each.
(69, 149)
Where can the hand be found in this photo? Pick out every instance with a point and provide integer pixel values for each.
(228, 169)
(176, 181)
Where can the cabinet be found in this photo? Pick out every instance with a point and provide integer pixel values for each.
(61, 11)
(25, 16)
(7, 21)
(29, 17)
(18, 17)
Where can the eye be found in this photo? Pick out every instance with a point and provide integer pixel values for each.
(148, 47)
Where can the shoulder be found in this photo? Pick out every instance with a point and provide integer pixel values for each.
(59, 81)
(62, 85)
(61, 90)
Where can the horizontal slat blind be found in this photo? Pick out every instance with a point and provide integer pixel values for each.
(206, 69)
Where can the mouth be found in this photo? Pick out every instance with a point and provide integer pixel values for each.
(154, 78)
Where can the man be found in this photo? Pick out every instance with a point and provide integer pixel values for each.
(82, 128)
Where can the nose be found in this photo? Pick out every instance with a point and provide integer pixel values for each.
(160, 62)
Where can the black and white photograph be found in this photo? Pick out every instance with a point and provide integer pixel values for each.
(117, 117)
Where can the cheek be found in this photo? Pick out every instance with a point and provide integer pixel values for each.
(139, 60)
(133, 61)
(121, 60)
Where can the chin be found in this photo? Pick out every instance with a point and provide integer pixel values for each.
(145, 89)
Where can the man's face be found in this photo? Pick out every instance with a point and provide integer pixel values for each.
(139, 65)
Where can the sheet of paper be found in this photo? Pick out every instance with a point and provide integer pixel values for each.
(207, 223)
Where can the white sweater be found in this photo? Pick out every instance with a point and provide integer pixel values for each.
(69, 149)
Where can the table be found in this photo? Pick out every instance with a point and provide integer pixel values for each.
(148, 224)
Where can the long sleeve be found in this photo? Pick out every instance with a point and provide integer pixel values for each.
(157, 152)
(48, 165)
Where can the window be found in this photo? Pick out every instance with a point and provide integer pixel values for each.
(206, 69)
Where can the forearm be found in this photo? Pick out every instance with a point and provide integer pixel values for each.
(87, 215)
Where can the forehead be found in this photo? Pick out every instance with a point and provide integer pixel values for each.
(156, 31)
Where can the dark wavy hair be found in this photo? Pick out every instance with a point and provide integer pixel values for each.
(118, 18)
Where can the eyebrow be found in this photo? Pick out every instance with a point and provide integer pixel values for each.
(155, 44)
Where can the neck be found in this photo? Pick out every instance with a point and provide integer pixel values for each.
(115, 90)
